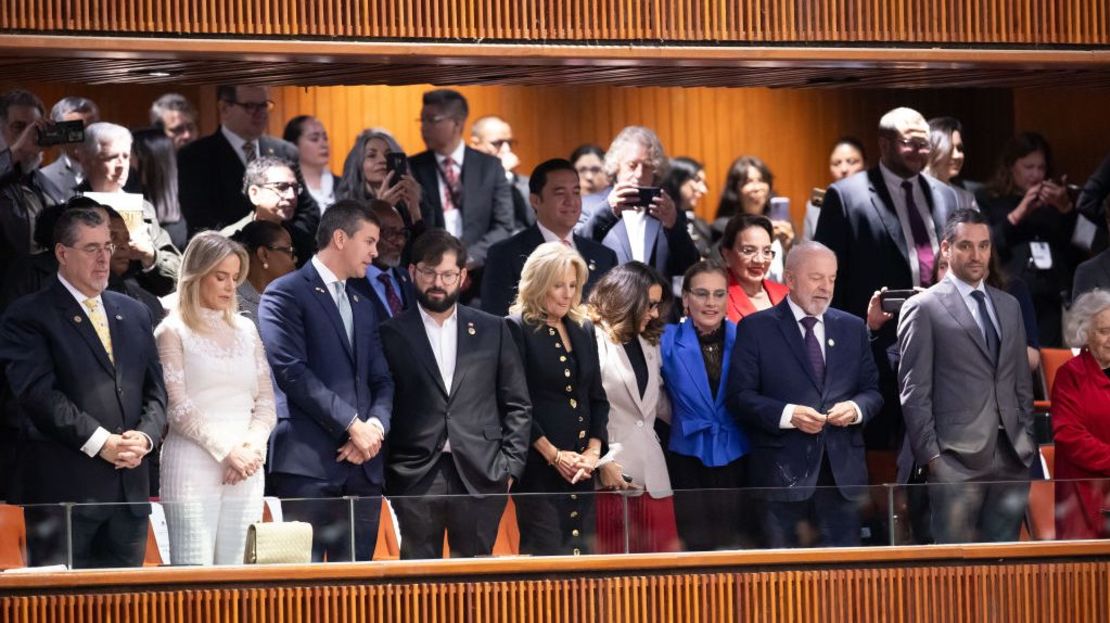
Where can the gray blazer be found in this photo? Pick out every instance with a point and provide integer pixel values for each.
(954, 396)
(63, 172)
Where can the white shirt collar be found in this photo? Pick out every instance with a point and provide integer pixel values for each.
(456, 156)
(964, 288)
(237, 143)
(550, 236)
(892, 179)
(431, 322)
(81, 298)
(800, 313)
(326, 275)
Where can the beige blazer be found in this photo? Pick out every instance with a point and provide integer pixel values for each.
(631, 418)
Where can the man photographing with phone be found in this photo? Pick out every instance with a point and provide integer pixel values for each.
(24, 190)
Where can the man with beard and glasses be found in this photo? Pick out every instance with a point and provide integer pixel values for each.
(463, 415)
(387, 285)
(803, 383)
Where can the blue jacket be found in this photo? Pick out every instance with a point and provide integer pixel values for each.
(701, 425)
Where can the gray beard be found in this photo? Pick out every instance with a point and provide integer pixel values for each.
(383, 263)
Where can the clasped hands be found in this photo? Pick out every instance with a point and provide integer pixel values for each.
(364, 443)
(574, 467)
(808, 420)
(125, 451)
(241, 463)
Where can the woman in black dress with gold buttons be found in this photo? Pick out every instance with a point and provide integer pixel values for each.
(569, 408)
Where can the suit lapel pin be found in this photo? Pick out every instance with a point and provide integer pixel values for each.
(593, 265)
(354, 297)
(470, 328)
(76, 319)
(831, 342)
(119, 317)
(320, 290)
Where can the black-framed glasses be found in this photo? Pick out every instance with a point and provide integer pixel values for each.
(253, 107)
(290, 251)
(654, 305)
(449, 278)
(282, 188)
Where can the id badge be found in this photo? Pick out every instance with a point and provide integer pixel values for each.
(1041, 254)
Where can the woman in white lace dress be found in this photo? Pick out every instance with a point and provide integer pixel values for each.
(221, 408)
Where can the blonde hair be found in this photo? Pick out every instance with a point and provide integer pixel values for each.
(205, 252)
(545, 266)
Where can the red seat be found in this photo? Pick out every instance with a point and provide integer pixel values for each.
(13, 537)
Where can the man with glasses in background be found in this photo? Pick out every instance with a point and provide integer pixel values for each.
(210, 170)
(177, 117)
(387, 285)
(494, 136)
(271, 186)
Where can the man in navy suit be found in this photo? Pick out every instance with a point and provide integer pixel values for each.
(654, 234)
(210, 170)
(803, 382)
(556, 198)
(322, 343)
(387, 286)
(84, 371)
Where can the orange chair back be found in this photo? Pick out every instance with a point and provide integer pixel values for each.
(1051, 361)
(13, 537)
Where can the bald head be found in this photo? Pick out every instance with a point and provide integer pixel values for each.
(904, 142)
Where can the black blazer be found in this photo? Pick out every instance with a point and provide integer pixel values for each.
(523, 214)
(668, 251)
(66, 387)
(487, 202)
(210, 183)
(485, 413)
(407, 293)
(506, 262)
(568, 419)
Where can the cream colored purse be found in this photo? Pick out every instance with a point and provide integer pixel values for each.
(288, 542)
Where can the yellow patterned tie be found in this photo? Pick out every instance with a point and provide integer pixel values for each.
(100, 325)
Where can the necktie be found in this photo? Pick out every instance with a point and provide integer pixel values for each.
(250, 151)
(813, 349)
(345, 314)
(989, 332)
(391, 297)
(925, 256)
(100, 325)
(450, 183)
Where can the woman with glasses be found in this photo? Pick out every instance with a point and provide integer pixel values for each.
(589, 162)
(625, 308)
(220, 408)
(271, 255)
(569, 409)
(706, 445)
(748, 250)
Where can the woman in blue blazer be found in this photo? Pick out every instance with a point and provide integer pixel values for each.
(707, 445)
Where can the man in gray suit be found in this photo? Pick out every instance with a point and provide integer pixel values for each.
(966, 392)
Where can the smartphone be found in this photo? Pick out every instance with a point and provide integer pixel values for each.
(780, 209)
(891, 301)
(398, 163)
(62, 133)
(647, 195)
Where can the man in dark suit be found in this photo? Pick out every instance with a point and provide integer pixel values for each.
(271, 186)
(804, 383)
(322, 343)
(655, 234)
(884, 225)
(387, 285)
(555, 196)
(465, 191)
(463, 413)
(83, 367)
(210, 170)
(967, 394)
(494, 136)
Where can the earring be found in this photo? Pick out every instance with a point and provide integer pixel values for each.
(265, 266)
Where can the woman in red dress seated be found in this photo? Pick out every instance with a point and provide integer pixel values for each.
(747, 250)
(1081, 423)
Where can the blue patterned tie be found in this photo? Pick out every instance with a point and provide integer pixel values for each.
(989, 332)
(813, 349)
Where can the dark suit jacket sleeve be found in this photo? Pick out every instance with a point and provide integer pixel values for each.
(1095, 192)
(26, 353)
(915, 379)
(868, 399)
(497, 286)
(833, 232)
(501, 216)
(381, 381)
(197, 194)
(684, 253)
(153, 420)
(599, 223)
(302, 227)
(280, 323)
(744, 399)
(514, 403)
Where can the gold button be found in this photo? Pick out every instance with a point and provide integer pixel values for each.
(574, 496)
(550, 331)
(581, 419)
(574, 532)
(558, 345)
(581, 434)
(573, 403)
(562, 357)
(577, 552)
(573, 514)
(566, 373)
(569, 388)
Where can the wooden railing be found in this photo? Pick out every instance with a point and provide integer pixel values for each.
(1020, 22)
(1054, 582)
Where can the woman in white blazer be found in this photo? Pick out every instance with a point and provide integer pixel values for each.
(625, 307)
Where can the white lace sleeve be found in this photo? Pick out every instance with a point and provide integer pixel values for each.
(264, 415)
(181, 413)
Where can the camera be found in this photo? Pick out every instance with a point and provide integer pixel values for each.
(647, 194)
(62, 133)
(891, 301)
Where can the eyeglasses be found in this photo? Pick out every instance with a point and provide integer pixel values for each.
(182, 129)
(654, 305)
(501, 143)
(703, 295)
(253, 107)
(592, 170)
(94, 250)
(290, 251)
(282, 188)
(751, 252)
(396, 232)
(916, 144)
(449, 278)
(434, 119)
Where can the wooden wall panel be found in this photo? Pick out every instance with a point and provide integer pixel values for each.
(1020, 22)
